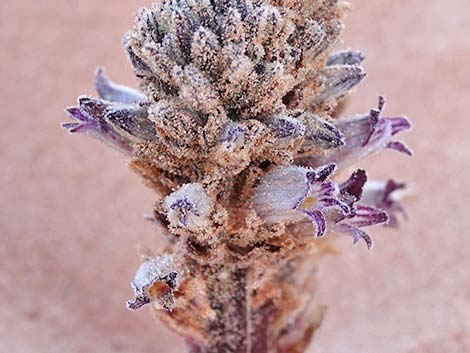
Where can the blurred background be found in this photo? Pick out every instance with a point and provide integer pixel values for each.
(71, 212)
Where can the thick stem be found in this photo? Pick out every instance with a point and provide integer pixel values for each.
(227, 290)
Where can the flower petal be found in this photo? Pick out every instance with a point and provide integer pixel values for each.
(400, 147)
(113, 92)
(319, 220)
(367, 216)
(280, 192)
(356, 233)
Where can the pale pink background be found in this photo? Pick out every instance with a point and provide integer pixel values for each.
(71, 213)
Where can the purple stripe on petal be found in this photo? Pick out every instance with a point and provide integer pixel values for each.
(326, 189)
(319, 220)
(400, 147)
(331, 202)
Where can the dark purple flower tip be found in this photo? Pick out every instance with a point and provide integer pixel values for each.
(91, 121)
(346, 57)
(390, 204)
(390, 187)
(76, 113)
(321, 173)
(113, 92)
(354, 185)
(319, 221)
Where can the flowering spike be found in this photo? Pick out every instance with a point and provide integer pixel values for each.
(237, 130)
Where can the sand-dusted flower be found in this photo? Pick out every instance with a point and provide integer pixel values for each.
(189, 207)
(155, 281)
(290, 194)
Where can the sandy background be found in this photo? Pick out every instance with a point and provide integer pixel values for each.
(71, 213)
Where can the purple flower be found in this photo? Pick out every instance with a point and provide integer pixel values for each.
(361, 215)
(118, 125)
(90, 117)
(189, 207)
(292, 194)
(364, 135)
(383, 195)
(113, 92)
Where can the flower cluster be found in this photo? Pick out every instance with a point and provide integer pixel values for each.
(236, 127)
